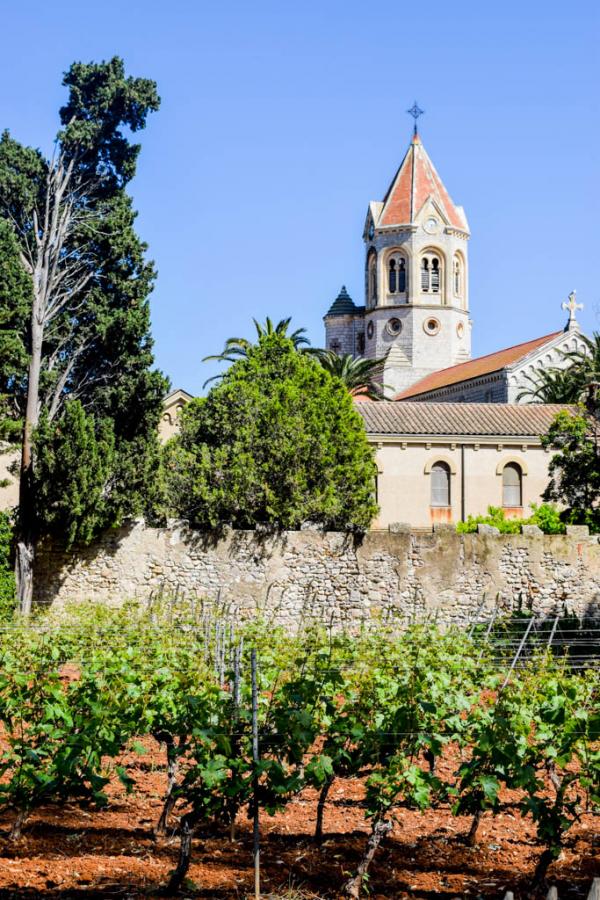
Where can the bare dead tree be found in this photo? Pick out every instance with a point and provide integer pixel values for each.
(60, 274)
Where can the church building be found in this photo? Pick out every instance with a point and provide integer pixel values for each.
(416, 311)
(457, 434)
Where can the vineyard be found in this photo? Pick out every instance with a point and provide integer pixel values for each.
(247, 732)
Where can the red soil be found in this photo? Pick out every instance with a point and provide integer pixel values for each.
(70, 851)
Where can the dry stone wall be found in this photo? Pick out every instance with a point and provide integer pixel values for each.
(308, 574)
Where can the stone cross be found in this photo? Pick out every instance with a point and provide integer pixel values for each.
(572, 306)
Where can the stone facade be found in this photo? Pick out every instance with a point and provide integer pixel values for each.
(509, 383)
(9, 482)
(330, 576)
(404, 479)
(173, 406)
(416, 313)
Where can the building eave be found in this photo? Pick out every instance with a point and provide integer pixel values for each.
(428, 438)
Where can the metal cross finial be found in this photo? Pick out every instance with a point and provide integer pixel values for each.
(415, 111)
(572, 306)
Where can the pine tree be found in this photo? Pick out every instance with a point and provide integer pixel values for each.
(87, 332)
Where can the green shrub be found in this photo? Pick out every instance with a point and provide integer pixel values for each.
(546, 516)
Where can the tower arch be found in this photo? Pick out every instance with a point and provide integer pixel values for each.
(416, 274)
(396, 265)
(432, 269)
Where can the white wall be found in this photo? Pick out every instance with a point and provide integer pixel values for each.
(8, 495)
(404, 486)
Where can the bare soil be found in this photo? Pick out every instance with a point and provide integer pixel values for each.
(70, 851)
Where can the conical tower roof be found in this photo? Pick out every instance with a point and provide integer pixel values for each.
(416, 182)
(343, 305)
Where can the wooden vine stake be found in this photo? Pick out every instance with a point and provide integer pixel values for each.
(255, 758)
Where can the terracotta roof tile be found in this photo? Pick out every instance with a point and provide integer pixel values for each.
(415, 181)
(454, 419)
(482, 365)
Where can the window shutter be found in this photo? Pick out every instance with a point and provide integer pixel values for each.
(440, 485)
(511, 485)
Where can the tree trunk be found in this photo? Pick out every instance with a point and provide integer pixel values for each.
(430, 760)
(542, 867)
(185, 854)
(15, 832)
(378, 831)
(321, 809)
(24, 574)
(25, 526)
(170, 799)
(472, 835)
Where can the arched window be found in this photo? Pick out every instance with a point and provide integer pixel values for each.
(397, 274)
(435, 276)
(440, 484)
(372, 277)
(457, 277)
(425, 281)
(512, 485)
(431, 273)
(392, 276)
(401, 276)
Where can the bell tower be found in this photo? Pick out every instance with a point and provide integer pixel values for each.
(416, 313)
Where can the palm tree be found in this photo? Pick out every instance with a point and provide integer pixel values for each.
(552, 386)
(358, 374)
(238, 348)
(572, 383)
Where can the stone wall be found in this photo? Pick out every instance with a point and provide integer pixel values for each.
(330, 576)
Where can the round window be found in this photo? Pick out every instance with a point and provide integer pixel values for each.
(431, 326)
(460, 329)
(394, 327)
(370, 330)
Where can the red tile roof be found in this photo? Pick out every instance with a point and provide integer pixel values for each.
(414, 183)
(455, 419)
(482, 365)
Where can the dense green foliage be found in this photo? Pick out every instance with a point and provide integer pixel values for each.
(546, 516)
(361, 376)
(78, 687)
(575, 467)
(7, 578)
(278, 442)
(97, 351)
(15, 302)
(75, 461)
(237, 347)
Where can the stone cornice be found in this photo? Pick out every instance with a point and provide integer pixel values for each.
(449, 229)
(395, 229)
(466, 439)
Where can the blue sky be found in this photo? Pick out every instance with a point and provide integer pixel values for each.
(280, 121)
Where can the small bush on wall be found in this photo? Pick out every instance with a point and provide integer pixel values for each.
(546, 516)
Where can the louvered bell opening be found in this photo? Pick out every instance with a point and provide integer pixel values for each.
(435, 277)
(401, 278)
